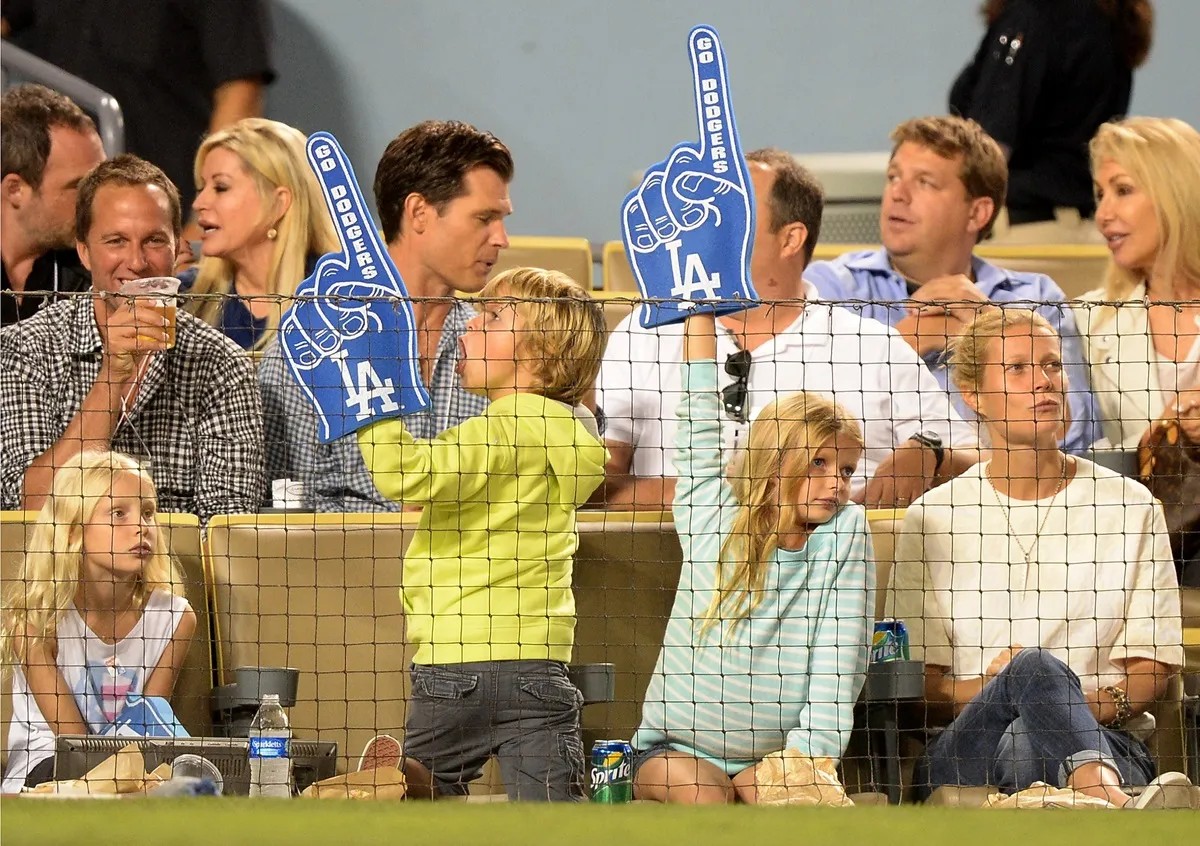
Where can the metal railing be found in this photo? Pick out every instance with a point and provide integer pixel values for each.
(109, 120)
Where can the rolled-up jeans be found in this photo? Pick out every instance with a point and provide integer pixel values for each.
(1029, 723)
(526, 713)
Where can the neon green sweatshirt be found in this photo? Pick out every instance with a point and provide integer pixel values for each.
(487, 576)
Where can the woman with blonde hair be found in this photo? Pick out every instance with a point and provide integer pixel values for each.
(96, 615)
(1141, 331)
(766, 649)
(264, 223)
(1038, 590)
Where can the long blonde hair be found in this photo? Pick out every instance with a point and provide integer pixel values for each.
(1162, 156)
(785, 435)
(273, 155)
(36, 601)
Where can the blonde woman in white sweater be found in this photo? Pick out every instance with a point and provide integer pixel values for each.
(1040, 592)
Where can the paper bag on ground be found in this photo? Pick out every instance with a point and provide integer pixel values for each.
(1042, 795)
(383, 783)
(789, 778)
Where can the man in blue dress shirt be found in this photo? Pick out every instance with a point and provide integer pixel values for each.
(946, 182)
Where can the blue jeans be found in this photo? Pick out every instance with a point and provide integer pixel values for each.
(1030, 723)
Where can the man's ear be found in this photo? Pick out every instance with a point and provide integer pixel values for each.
(793, 237)
(84, 259)
(982, 209)
(418, 212)
(15, 191)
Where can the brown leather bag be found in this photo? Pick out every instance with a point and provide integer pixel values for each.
(1169, 465)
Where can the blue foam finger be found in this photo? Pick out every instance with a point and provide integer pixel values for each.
(349, 338)
(367, 376)
(688, 228)
(362, 249)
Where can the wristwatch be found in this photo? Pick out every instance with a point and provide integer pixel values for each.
(932, 441)
(1121, 699)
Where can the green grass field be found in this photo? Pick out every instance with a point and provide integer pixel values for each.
(264, 823)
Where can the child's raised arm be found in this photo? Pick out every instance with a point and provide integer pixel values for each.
(48, 687)
(700, 342)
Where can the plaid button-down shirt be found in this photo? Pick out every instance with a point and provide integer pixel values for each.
(196, 421)
(334, 476)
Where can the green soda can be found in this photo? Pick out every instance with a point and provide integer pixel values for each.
(890, 642)
(612, 772)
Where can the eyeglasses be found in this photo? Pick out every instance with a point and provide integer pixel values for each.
(737, 395)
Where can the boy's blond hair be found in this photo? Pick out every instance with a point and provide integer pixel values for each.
(565, 331)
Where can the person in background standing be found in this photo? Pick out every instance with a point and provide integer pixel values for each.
(1046, 76)
(180, 69)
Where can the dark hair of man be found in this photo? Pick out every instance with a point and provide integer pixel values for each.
(796, 195)
(126, 170)
(432, 159)
(1132, 20)
(27, 114)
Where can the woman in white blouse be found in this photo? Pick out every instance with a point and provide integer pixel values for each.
(1145, 352)
(1039, 590)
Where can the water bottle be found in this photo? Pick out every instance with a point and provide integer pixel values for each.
(270, 753)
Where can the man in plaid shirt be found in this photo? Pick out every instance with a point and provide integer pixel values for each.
(442, 193)
(98, 372)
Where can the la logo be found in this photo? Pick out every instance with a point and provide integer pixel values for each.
(692, 279)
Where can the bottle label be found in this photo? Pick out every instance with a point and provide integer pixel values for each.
(269, 747)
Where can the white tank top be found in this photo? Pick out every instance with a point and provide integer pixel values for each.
(101, 675)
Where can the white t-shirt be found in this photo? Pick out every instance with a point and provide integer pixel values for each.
(1100, 586)
(863, 364)
(100, 675)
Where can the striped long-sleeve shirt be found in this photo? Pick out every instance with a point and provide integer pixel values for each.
(787, 676)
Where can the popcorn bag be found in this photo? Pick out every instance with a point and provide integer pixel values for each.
(1042, 795)
(789, 778)
(382, 783)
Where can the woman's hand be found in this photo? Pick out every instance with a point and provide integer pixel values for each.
(1186, 410)
(1000, 662)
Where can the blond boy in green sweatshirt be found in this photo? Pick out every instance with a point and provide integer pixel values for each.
(487, 577)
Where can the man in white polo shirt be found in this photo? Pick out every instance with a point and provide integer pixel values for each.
(914, 438)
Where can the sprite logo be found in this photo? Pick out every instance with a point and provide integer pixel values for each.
(616, 767)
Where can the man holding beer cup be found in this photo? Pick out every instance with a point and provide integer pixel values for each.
(118, 369)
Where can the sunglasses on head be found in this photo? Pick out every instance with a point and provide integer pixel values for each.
(736, 396)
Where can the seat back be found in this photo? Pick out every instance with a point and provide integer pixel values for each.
(616, 274)
(626, 572)
(572, 256)
(885, 526)
(617, 306)
(319, 593)
(190, 700)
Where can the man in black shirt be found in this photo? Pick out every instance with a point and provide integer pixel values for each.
(179, 68)
(1047, 74)
(49, 146)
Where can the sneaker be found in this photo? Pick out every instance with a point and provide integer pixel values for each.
(381, 752)
(1169, 790)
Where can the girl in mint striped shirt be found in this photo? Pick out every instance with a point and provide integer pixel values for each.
(768, 641)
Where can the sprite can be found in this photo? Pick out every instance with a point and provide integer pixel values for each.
(890, 642)
(612, 772)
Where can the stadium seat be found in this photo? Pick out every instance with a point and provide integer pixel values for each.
(572, 256)
(192, 688)
(319, 593)
(616, 274)
(617, 306)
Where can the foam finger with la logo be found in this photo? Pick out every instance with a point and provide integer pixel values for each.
(349, 337)
(689, 227)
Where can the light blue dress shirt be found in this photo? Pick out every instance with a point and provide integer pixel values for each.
(868, 276)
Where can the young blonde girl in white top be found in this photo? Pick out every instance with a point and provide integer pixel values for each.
(95, 616)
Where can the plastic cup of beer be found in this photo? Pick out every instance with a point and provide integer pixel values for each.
(160, 293)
